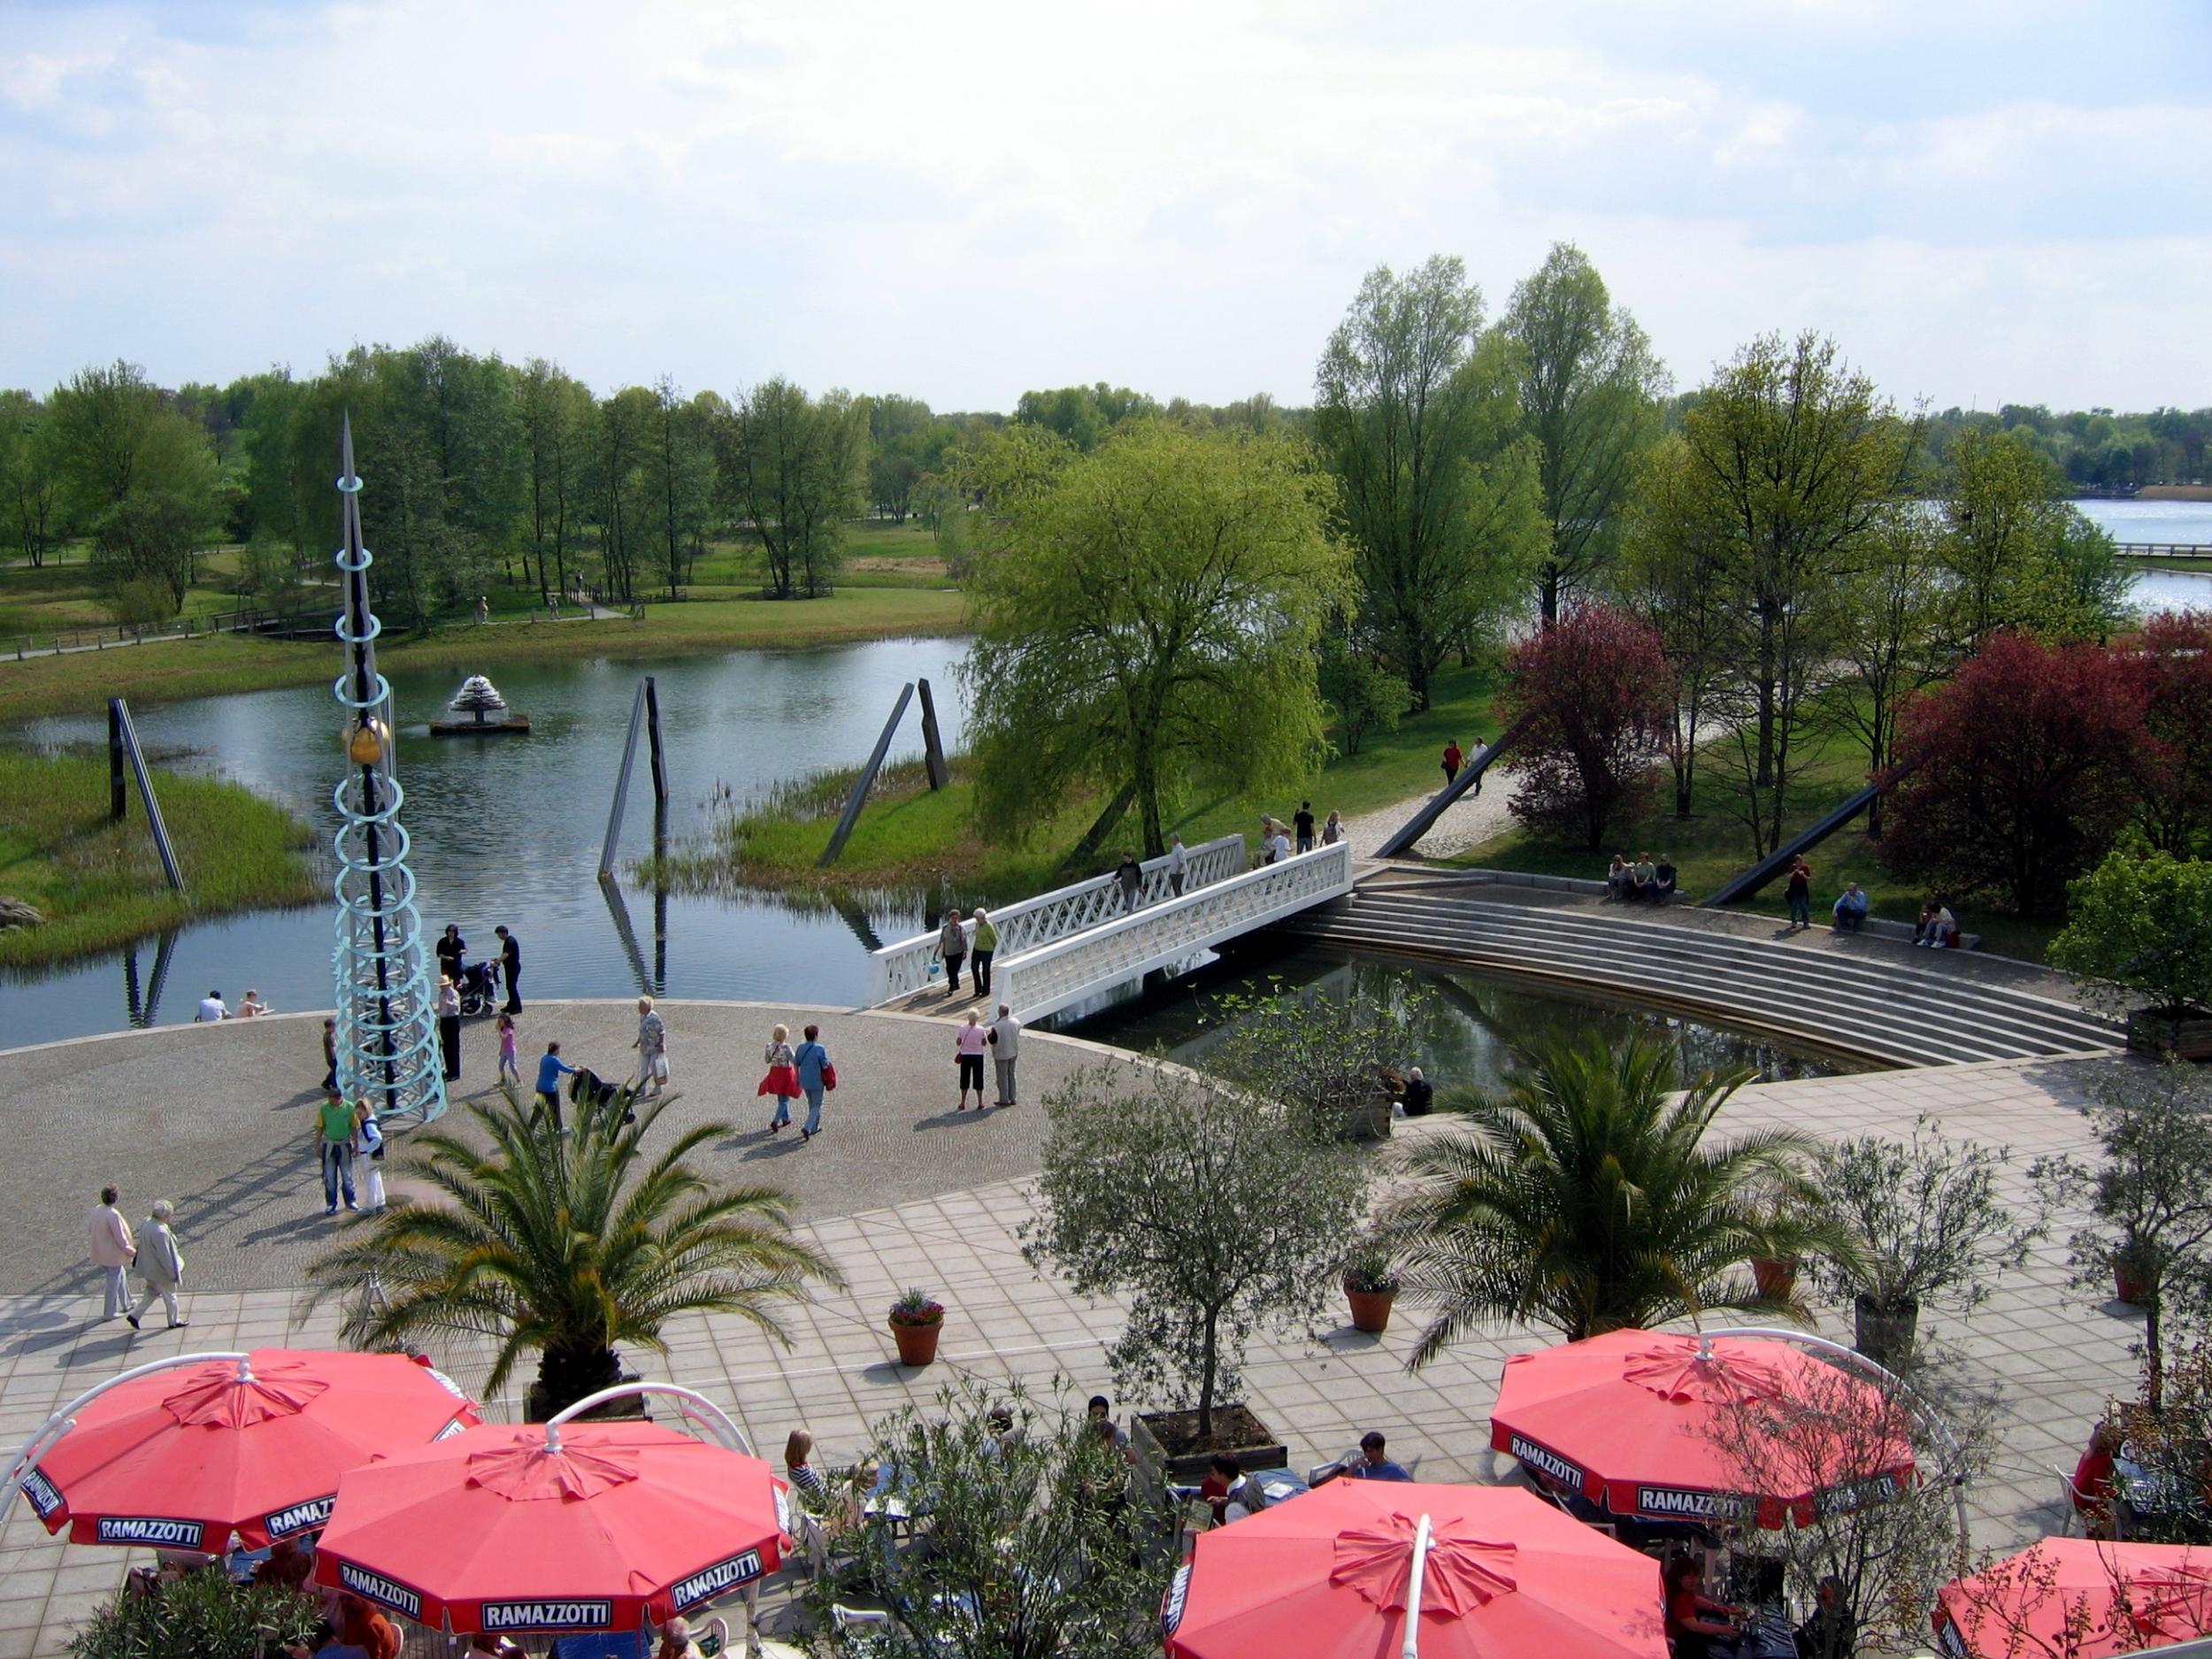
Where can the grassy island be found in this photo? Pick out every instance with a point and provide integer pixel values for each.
(99, 883)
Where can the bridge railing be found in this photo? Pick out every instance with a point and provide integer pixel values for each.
(903, 968)
(1044, 980)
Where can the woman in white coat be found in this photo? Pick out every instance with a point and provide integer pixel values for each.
(161, 1264)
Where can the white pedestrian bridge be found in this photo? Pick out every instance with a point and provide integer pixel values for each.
(1061, 946)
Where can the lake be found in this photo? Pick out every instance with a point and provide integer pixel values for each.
(2183, 522)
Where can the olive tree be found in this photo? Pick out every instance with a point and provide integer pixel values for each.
(1212, 1210)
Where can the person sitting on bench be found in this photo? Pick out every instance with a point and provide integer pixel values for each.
(1662, 878)
(1618, 883)
(1850, 909)
(1643, 880)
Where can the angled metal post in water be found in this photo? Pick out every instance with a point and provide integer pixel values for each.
(932, 747)
(653, 731)
(622, 783)
(119, 723)
(867, 777)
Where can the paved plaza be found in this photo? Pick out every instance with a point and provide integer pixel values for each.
(900, 1191)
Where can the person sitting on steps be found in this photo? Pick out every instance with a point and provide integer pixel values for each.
(1850, 909)
(1663, 880)
(1618, 883)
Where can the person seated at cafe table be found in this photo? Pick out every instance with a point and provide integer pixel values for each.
(676, 1642)
(494, 1646)
(1372, 1462)
(286, 1565)
(1221, 1485)
(1832, 1631)
(367, 1628)
(2093, 1488)
(1694, 1621)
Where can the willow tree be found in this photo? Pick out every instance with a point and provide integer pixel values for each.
(1146, 615)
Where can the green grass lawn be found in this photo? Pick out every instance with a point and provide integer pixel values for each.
(908, 832)
(100, 883)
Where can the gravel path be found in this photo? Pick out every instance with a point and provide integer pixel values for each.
(1474, 818)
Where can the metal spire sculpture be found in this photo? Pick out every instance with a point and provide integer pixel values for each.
(388, 1032)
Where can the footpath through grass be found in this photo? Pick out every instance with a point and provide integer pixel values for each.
(100, 883)
(909, 834)
(81, 682)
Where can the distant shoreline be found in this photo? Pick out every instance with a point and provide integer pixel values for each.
(2167, 492)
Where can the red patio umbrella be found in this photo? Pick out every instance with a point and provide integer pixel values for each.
(2080, 1597)
(181, 1453)
(556, 1527)
(1330, 1575)
(1627, 1420)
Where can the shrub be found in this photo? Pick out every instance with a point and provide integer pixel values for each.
(2022, 770)
(2141, 927)
(2177, 663)
(202, 1615)
(1595, 689)
(917, 1307)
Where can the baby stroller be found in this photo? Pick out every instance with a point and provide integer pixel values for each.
(479, 989)
(589, 1089)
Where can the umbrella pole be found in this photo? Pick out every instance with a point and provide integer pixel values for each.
(1414, 1574)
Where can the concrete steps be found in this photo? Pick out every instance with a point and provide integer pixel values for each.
(1887, 1008)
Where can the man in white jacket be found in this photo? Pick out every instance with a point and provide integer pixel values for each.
(1006, 1047)
(113, 1249)
(161, 1264)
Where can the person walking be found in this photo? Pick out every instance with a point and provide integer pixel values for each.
(1178, 864)
(952, 945)
(1130, 874)
(509, 1066)
(1301, 821)
(652, 1049)
(161, 1265)
(510, 968)
(451, 948)
(550, 1067)
(1481, 744)
(330, 1054)
(1006, 1047)
(1279, 845)
(782, 1080)
(968, 1044)
(1452, 759)
(982, 948)
(815, 1074)
(448, 1006)
(112, 1250)
(1267, 840)
(333, 1140)
(1801, 894)
(1332, 832)
(368, 1149)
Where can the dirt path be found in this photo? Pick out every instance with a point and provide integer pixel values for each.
(1474, 818)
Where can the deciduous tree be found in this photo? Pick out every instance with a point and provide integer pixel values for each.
(2020, 556)
(2177, 772)
(1145, 614)
(2025, 769)
(30, 479)
(1418, 413)
(1595, 689)
(792, 468)
(1887, 635)
(1589, 386)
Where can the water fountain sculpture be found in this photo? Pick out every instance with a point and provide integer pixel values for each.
(387, 1032)
(478, 708)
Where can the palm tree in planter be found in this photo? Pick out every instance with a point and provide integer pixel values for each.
(564, 1245)
(1585, 1196)
(1915, 1220)
(2151, 1196)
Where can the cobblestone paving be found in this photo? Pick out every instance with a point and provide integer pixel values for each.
(2057, 1355)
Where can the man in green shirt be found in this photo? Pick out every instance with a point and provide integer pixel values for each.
(334, 1136)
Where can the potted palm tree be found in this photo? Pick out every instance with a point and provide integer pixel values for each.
(561, 1246)
(1371, 1287)
(1585, 1195)
(916, 1319)
(1915, 1220)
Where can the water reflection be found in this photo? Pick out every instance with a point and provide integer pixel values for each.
(1474, 1022)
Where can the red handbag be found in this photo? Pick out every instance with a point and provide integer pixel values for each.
(829, 1075)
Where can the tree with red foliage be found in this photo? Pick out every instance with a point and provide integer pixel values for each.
(1596, 689)
(2176, 666)
(2027, 770)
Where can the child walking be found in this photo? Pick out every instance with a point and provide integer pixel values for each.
(509, 1067)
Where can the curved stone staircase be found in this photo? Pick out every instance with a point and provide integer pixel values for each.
(1889, 1006)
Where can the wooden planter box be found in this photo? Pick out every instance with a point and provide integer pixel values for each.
(1257, 1448)
(2186, 1034)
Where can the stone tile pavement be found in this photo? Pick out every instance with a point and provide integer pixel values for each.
(2057, 1355)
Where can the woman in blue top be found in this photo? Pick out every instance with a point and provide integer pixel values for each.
(812, 1059)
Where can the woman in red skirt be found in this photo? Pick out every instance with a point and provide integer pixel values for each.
(782, 1080)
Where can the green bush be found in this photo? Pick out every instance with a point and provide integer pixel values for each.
(2140, 924)
(202, 1615)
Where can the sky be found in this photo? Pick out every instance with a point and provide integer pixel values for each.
(1984, 202)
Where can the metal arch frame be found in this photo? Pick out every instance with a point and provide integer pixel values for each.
(696, 1407)
(49, 1432)
(1851, 1360)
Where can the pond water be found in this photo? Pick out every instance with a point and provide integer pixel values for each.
(2166, 521)
(509, 829)
(1474, 1025)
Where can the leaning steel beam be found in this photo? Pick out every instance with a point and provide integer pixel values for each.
(622, 783)
(1470, 775)
(860, 786)
(119, 722)
(1747, 882)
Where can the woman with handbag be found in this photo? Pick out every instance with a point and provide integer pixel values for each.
(815, 1074)
(782, 1080)
(368, 1151)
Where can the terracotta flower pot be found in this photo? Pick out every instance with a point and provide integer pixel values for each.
(2128, 1282)
(1776, 1278)
(1371, 1309)
(918, 1343)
